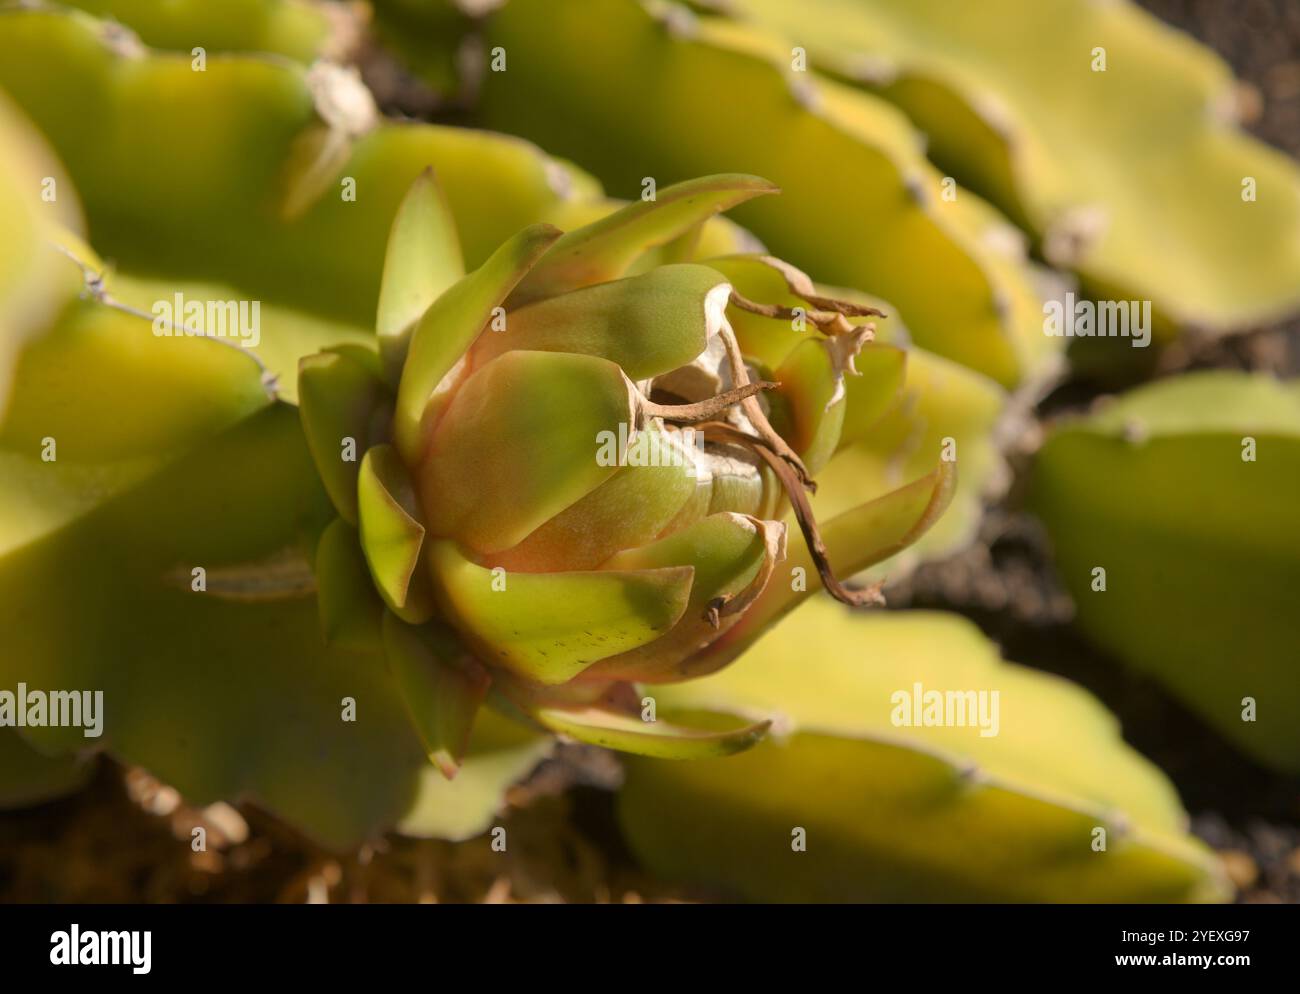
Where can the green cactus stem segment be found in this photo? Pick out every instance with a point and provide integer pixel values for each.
(96, 289)
(795, 490)
(392, 534)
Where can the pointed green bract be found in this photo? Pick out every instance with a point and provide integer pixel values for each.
(441, 685)
(392, 535)
(809, 379)
(632, 508)
(521, 441)
(604, 249)
(342, 403)
(876, 530)
(648, 324)
(422, 261)
(723, 549)
(628, 733)
(549, 627)
(702, 241)
(727, 552)
(856, 539)
(448, 328)
(350, 609)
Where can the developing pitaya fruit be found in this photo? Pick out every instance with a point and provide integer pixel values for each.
(559, 477)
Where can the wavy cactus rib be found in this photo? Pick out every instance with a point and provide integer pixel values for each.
(297, 29)
(60, 456)
(1132, 174)
(860, 207)
(1183, 494)
(845, 804)
(206, 217)
(545, 497)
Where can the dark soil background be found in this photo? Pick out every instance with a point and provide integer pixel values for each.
(126, 837)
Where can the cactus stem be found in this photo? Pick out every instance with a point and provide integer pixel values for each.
(96, 289)
(804, 515)
(703, 410)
